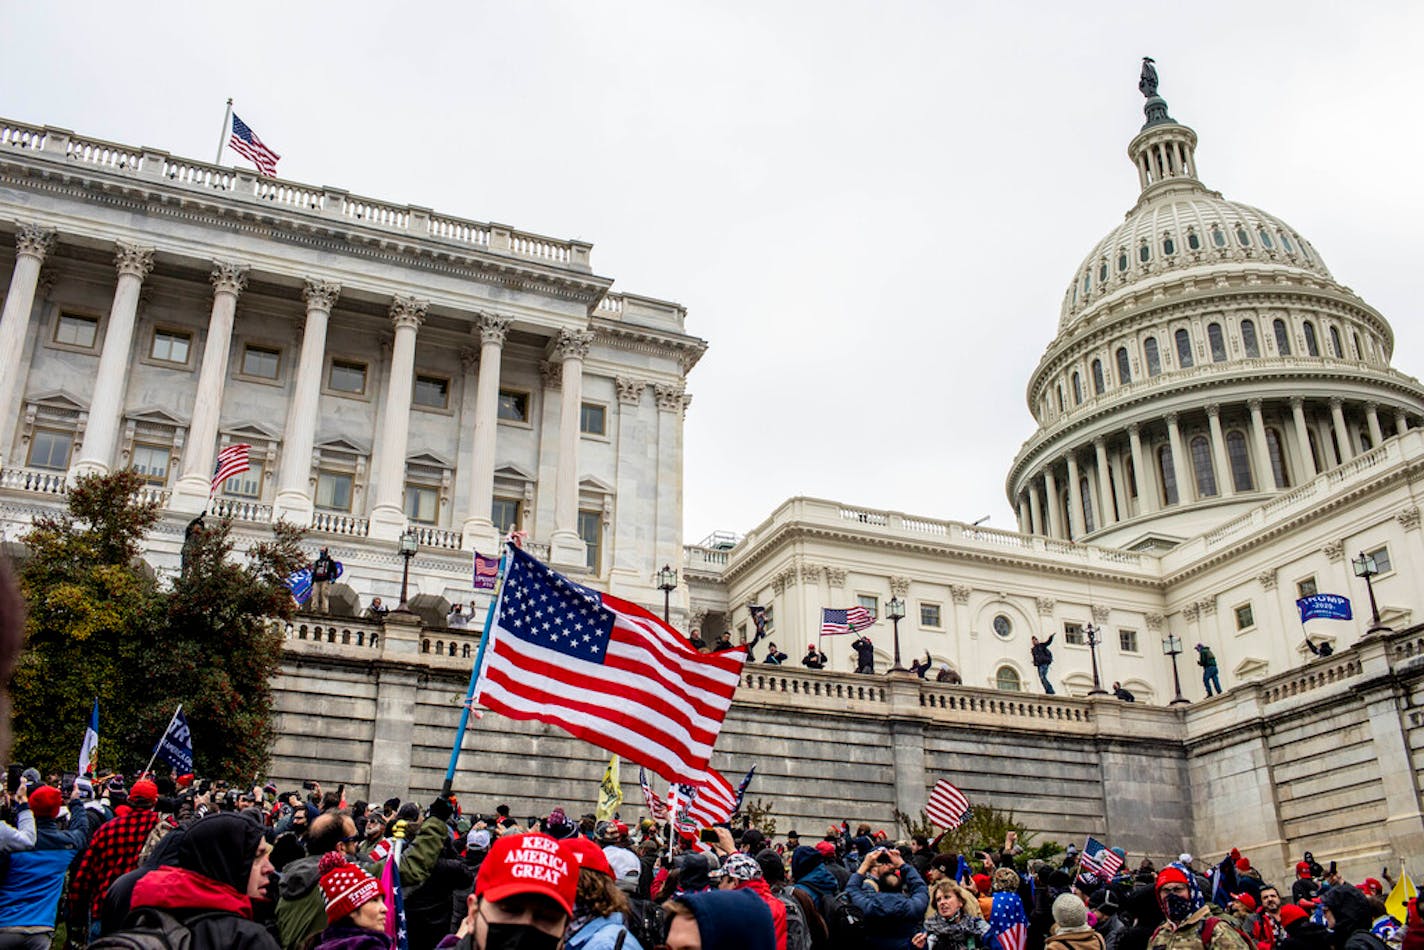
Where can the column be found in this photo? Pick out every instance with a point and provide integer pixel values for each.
(672, 400)
(1118, 471)
(1225, 484)
(1075, 498)
(1025, 523)
(1185, 491)
(195, 486)
(388, 516)
(1146, 499)
(1401, 422)
(634, 510)
(481, 533)
(1342, 434)
(1035, 507)
(1265, 472)
(566, 548)
(1050, 487)
(1371, 420)
(1302, 439)
(106, 407)
(294, 501)
(1108, 515)
(32, 243)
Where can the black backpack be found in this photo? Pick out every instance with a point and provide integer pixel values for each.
(844, 921)
(148, 928)
(644, 921)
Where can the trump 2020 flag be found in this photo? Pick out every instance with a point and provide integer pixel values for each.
(1324, 607)
(299, 583)
(604, 670)
(89, 751)
(176, 746)
(486, 572)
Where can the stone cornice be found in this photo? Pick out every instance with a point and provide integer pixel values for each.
(687, 350)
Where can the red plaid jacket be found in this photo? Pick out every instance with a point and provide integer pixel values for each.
(113, 851)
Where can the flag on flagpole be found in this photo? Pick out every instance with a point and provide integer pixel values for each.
(300, 584)
(176, 746)
(947, 805)
(395, 899)
(710, 802)
(232, 460)
(1399, 897)
(89, 750)
(604, 670)
(245, 142)
(1098, 861)
(657, 807)
(486, 572)
(610, 792)
(742, 788)
(758, 613)
(836, 621)
(1325, 607)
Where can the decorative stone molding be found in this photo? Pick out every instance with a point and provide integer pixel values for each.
(469, 358)
(1046, 605)
(836, 577)
(45, 284)
(137, 261)
(227, 277)
(1336, 403)
(778, 584)
(1170, 418)
(630, 389)
(1190, 612)
(1213, 410)
(1409, 518)
(1208, 607)
(686, 402)
(1297, 402)
(408, 312)
(1134, 429)
(1101, 613)
(1371, 407)
(1254, 405)
(320, 294)
(34, 240)
(1333, 551)
(695, 618)
(1267, 579)
(1154, 622)
(669, 397)
(493, 328)
(899, 586)
(810, 573)
(572, 344)
(959, 593)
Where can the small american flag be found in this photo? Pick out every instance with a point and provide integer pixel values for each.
(711, 802)
(231, 461)
(245, 142)
(850, 620)
(947, 807)
(486, 572)
(1098, 861)
(657, 806)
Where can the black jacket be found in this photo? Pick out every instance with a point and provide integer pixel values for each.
(1042, 656)
(428, 908)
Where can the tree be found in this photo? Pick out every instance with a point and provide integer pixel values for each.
(759, 815)
(984, 830)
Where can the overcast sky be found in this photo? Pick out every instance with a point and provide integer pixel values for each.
(870, 210)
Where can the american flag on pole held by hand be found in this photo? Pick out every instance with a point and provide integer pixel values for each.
(1098, 861)
(245, 142)
(835, 621)
(947, 807)
(656, 806)
(232, 460)
(712, 801)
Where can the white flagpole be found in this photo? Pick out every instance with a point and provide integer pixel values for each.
(167, 730)
(226, 127)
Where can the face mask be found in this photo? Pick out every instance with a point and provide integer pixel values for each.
(1179, 908)
(518, 937)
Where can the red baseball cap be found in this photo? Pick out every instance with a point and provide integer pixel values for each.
(1246, 900)
(1290, 913)
(826, 848)
(588, 855)
(529, 864)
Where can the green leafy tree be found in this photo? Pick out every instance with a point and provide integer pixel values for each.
(759, 815)
(985, 830)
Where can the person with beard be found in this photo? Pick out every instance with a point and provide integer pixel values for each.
(1349, 916)
(891, 896)
(1261, 926)
(1299, 932)
(1070, 926)
(954, 921)
(223, 867)
(524, 896)
(1190, 924)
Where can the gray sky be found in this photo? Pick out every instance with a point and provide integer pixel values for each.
(871, 210)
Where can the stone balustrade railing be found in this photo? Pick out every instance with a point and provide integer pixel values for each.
(239, 509)
(429, 536)
(706, 560)
(334, 522)
(245, 186)
(34, 481)
(355, 636)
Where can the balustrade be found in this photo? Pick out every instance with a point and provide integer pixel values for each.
(336, 522)
(429, 536)
(34, 481)
(239, 509)
(202, 176)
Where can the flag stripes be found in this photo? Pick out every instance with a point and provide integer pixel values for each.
(245, 142)
(947, 806)
(233, 460)
(835, 620)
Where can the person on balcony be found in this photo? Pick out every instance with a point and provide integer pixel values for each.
(323, 574)
(377, 611)
(1042, 660)
(865, 655)
(814, 658)
(774, 656)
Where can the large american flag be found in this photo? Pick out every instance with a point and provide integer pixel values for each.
(245, 142)
(850, 620)
(1098, 861)
(231, 461)
(711, 802)
(947, 806)
(1008, 924)
(604, 670)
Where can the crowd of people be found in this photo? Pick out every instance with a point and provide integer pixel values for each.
(168, 861)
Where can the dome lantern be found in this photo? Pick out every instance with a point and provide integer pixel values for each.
(1165, 150)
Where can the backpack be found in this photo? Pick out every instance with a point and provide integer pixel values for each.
(1205, 658)
(148, 928)
(798, 932)
(644, 921)
(844, 921)
(1209, 928)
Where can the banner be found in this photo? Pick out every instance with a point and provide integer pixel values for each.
(486, 572)
(176, 746)
(89, 750)
(1324, 607)
(610, 792)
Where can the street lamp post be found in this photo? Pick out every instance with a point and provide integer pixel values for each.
(895, 610)
(667, 582)
(1172, 646)
(1366, 567)
(408, 547)
(1097, 689)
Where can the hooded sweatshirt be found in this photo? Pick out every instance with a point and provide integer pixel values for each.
(760, 888)
(1353, 918)
(732, 920)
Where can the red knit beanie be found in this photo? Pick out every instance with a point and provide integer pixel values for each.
(983, 884)
(1243, 864)
(1170, 875)
(345, 886)
(45, 801)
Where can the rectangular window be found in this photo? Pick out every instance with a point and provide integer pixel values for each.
(742, 633)
(432, 391)
(593, 419)
(421, 503)
(74, 330)
(929, 615)
(1073, 633)
(246, 484)
(151, 461)
(1127, 640)
(870, 603)
(171, 346)
(347, 377)
(1245, 617)
(513, 406)
(333, 490)
(50, 449)
(1305, 588)
(261, 361)
(590, 529)
(770, 623)
(504, 512)
(1381, 556)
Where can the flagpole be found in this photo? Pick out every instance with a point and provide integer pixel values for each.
(222, 137)
(474, 680)
(167, 729)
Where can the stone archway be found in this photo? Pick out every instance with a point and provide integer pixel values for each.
(432, 609)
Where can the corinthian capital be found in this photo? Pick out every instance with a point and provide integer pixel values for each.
(34, 240)
(572, 344)
(228, 278)
(494, 328)
(320, 294)
(408, 311)
(133, 260)
(669, 397)
(630, 390)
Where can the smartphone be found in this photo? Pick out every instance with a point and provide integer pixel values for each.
(67, 783)
(12, 778)
(309, 785)
(709, 835)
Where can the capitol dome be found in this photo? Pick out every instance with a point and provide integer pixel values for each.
(1205, 357)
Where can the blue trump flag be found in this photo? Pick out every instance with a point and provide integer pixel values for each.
(176, 746)
(1324, 607)
(299, 583)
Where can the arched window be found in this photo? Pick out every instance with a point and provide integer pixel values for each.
(1121, 259)
(1286, 243)
(424, 646)
(465, 652)
(1060, 397)
(1087, 283)
(1218, 237)
(1282, 337)
(1217, 342)
(1193, 241)
(439, 647)
(1201, 467)
(1312, 345)
(1131, 479)
(1366, 443)
(1242, 237)
(1184, 348)
(1144, 253)
(1098, 386)
(1169, 247)
(346, 637)
(1248, 339)
(1336, 349)
(1240, 461)
(1359, 350)
(1278, 459)
(1089, 525)
(1154, 358)
(1077, 390)
(1007, 679)
(1124, 366)
(1103, 271)
(1167, 475)
(1266, 239)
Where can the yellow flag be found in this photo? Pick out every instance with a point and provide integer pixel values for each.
(1404, 891)
(610, 791)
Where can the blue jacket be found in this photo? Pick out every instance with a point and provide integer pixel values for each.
(891, 919)
(601, 933)
(818, 883)
(31, 881)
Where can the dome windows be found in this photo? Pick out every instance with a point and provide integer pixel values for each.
(1282, 337)
(1336, 349)
(1217, 342)
(1154, 358)
(1087, 284)
(1266, 239)
(1184, 349)
(1098, 382)
(1089, 523)
(1103, 271)
(1193, 240)
(1077, 390)
(1312, 345)
(1167, 472)
(1242, 237)
(1248, 339)
(1124, 367)
(1278, 459)
(1121, 259)
(1218, 237)
(1286, 243)
(1240, 461)
(1169, 247)
(1144, 253)
(1359, 350)
(1201, 468)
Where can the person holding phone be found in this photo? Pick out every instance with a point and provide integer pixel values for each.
(21, 834)
(891, 896)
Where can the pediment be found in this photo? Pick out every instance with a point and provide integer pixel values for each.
(158, 416)
(344, 444)
(513, 472)
(589, 483)
(432, 459)
(252, 430)
(1251, 668)
(57, 399)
